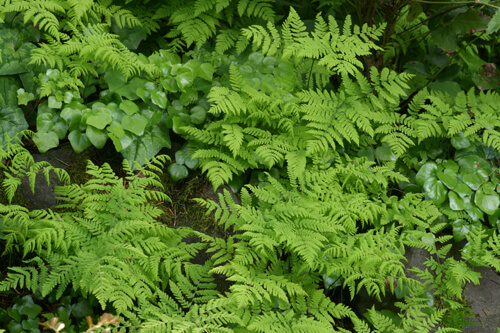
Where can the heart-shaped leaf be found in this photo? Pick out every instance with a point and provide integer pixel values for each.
(159, 98)
(79, 141)
(206, 71)
(99, 118)
(456, 202)
(135, 124)
(461, 229)
(45, 140)
(129, 107)
(177, 171)
(449, 178)
(198, 115)
(12, 121)
(473, 180)
(426, 171)
(487, 203)
(98, 137)
(435, 190)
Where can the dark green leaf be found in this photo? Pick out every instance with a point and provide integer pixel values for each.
(473, 180)
(188, 96)
(459, 141)
(73, 117)
(198, 115)
(11, 122)
(206, 71)
(82, 308)
(462, 190)
(177, 171)
(450, 179)
(60, 128)
(451, 165)
(15, 55)
(487, 203)
(435, 190)
(117, 83)
(456, 202)
(494, 23)
(159, 98)
(445, 38)
(147, 145)
(8, 91)
(384, 153)
(461, 229)
(474, 212)
(425, 172)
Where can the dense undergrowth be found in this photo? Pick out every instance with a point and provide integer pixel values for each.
(351, 132)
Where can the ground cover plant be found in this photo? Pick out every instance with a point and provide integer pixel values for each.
(351, 131)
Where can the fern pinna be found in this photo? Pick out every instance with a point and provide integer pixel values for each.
(103, 239)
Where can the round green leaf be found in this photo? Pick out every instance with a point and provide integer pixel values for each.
(451, 165)
(177, 171)
(487, 203)
(44, 122)
(116, 128)
(99, 118)
(459, 141)
(180, 156)
(474, 212)
(60, 128)
(73, 117)
(129, 107)
(473, 180)
(188, 96)
(54, 103)
(450, 179)
(426, 171)
(79, 141)
(159, 98)
(462, 190)
(436, 191)
(82, 308)
(177, 124)
(461, 229)
(198, 115)
(98, 137)
(456, 202)
(45, 140)
(206, 71)
(135, 124)
(384, 153)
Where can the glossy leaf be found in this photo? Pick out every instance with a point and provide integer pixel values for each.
(147, 145)
(473, 180)
(435, 190)
(73, 117)
(99, 118)
(450, 179)
(451, 165)
(159, 98)
(177, 171)
(462, 190)
(456, 202)
(206, 71)
(488, 203)
(461, 229)
(425, 172)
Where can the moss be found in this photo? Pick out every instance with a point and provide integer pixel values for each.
(183, 211)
